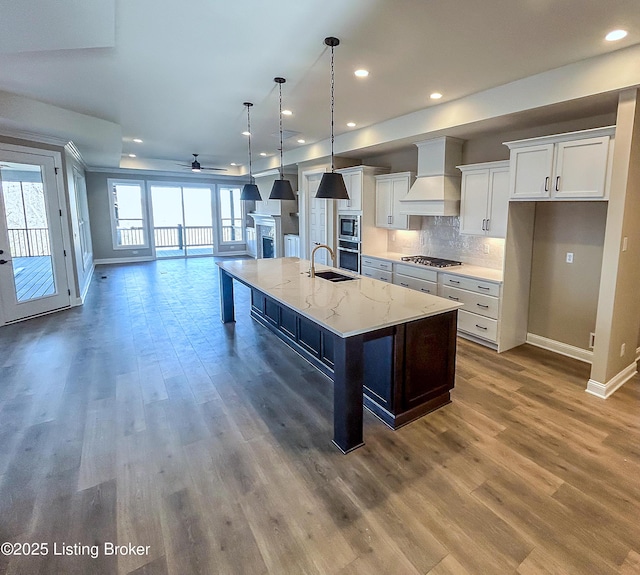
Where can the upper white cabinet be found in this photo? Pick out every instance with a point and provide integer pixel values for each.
(570, 166)
(484, 203)
(353, 182)
(390, 188)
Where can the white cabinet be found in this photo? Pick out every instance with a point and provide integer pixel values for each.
(390, 189)
(419, 279)
(480, 316)
(291, 246)
(485, 199)
(353, 182)
(376, 268)
(571, 166)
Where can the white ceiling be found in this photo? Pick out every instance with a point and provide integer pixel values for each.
(176, 74)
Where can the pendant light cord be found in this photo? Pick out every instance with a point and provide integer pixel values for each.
(251, 180)
(281, 168)
(332, 104)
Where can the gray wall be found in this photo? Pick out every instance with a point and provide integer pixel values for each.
(564, 297)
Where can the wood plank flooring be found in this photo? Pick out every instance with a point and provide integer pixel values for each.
(140, 419)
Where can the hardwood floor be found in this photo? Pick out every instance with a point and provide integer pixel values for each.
(140, 419)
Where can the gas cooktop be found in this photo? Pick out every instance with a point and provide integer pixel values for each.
(431, 261)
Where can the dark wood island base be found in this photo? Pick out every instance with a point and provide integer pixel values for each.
(408, 370)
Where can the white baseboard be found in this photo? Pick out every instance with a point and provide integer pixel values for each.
(604, 390)
(561, 348)
(103, 262)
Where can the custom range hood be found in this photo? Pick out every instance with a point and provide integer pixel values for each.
(436, 191)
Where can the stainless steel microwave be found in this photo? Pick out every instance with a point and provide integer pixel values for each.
(349, 227)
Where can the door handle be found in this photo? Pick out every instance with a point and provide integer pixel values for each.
(2, 262)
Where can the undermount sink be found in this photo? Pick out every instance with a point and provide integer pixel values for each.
(333, 276)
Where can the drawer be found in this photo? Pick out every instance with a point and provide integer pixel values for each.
(480, 286)
(377, 274)
(415, 283)
(376, 263)
(474, 302)
(415, 272)
(478, 325)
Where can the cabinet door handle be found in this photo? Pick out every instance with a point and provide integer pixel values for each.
(546, 184)
(456, 282)
(454, 298)
(487, 228)
(482, 305)
(557, 183)
(481, 327)
(483, 222)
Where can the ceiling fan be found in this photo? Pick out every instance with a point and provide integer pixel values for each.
(196, 167)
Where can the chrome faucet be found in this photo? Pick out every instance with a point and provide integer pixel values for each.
(312, 269)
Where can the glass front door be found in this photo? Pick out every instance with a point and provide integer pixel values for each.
(33, 277)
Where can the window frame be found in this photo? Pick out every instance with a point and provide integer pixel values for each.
(111, 182)
(240, 216)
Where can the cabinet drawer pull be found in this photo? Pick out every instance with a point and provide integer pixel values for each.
(557, 183)
(454, 281)
(482, 305)
(546, 184)
(384, 266)
(425, 290)
(404, 285)
(454, 298)
(483, 287)
(481, 327)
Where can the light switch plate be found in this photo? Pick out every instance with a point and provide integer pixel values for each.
(569, 257)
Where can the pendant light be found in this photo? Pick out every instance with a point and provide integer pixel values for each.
(250, 191)
(332, 184)
(281, 189)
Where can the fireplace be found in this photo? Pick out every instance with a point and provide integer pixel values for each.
(267, 247)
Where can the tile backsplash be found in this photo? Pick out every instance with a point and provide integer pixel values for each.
(440, 237)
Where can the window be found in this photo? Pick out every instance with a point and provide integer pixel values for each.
(231, 229)
(128, 219)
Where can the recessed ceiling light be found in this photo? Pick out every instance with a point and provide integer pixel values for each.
(301, 141)
(361, 73)
(233, 164)
(435, 96)
(137, 140)
(132, 155)
(245, 133)
(287, 113)
(615, 35)
(351, 124)
(263, 153)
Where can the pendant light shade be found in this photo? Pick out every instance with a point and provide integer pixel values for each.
(281, 189)
(250, 191)
(332, 185)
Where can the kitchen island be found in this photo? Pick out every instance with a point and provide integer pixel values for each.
(395, 345)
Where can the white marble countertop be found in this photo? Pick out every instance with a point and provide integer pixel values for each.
(345, 308)
(468, 270)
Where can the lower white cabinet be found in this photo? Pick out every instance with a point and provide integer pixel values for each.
(412, 277)
(376, 268)
(291, 246)
(481, 312)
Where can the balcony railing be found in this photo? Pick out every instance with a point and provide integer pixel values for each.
(29, 242)
(179, 236)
